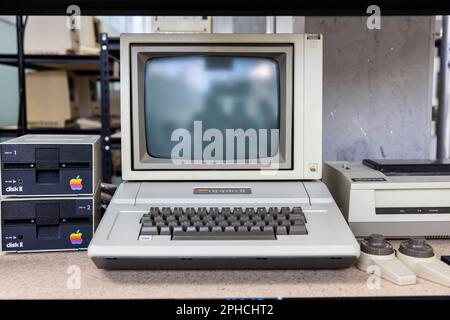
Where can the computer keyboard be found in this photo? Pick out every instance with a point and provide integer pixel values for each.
(222, 223)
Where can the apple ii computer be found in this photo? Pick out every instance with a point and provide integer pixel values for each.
(222, 157)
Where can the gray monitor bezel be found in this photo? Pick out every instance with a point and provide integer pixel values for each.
(139, 54)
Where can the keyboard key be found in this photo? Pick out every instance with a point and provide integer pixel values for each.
(258, 235)
(238, 212)
(298, 229)
(190, 212)
(146, 220)
(160, 224)
(229, 229)
(165, 231)
(248, 224)
(281, 230)
(171, 219)
(204, 229)
(244, 218)
(158, 219)
(207, 217)
(149, 230)
(285, 223)
(178, 211)
(148, 223)
(261, 210)
(242, 229)
(185, 224)
(202, 212)
(219, 218)
(154, 211)
(225, 211)
(260, 224)
(235, 224)
(191, 229)
(298, 222)
(214, 211)
(297, 217)
(297, 210)
(166, 211)
(223, 224)
(173, 224)
(256, 218)
(250, 212)
(198, 224)
(177, 229)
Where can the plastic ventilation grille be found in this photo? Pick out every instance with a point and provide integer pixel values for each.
(441, 237)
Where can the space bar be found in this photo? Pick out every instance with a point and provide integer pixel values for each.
(217, 235)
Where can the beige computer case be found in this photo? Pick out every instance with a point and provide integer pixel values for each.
(86, 98)
(50, 35)
(306, 120)
(49, 99)
(89, 35)
(55, 98)
(198, 24)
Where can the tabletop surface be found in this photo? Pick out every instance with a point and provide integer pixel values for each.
(72, 275)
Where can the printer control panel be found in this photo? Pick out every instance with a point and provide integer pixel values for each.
(413, 210)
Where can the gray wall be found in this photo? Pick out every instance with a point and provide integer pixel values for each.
(377, 87)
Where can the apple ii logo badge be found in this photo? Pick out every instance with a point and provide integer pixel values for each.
(76, 238)
(76, 184)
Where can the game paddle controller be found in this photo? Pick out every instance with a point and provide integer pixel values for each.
(420, 258)
(376, 251)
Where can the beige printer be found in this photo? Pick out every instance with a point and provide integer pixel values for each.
(396, 198)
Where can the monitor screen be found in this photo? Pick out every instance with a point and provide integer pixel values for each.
(203, 91)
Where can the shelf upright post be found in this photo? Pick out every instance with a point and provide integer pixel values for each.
(20, 31)
(106, 115)
(443, 141)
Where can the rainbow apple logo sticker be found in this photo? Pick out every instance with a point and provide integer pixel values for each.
(76, 237)
(76, 184)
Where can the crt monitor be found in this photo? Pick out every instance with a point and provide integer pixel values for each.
(221, 107)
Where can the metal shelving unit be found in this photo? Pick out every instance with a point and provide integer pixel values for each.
(100, 64)
(73, 62)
